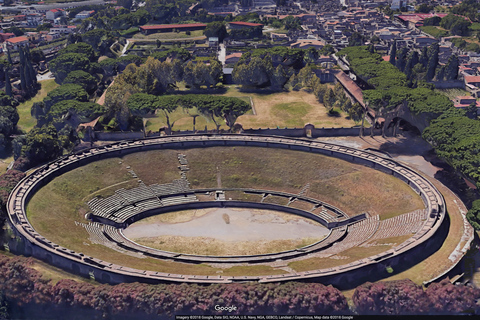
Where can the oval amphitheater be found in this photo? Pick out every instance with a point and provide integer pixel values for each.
(107, 217)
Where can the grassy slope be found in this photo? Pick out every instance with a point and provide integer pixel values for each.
(27, 122)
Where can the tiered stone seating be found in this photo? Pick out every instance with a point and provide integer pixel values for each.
(113, 233)
(136, 194)
(357, 233)
(105, 207)
(95, 232)
(148, 204)
(124, 213)
(323, 213)
(334, 235)
(179, 199)
(408, 223)
(177, 186)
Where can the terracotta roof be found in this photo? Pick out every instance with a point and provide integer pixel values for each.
(471, 79)
(465, 97)
(17, 39)
(169, 26)
(352, 87)
(247, 24)
(234, 55)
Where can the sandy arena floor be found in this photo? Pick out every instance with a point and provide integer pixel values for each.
(244, 225)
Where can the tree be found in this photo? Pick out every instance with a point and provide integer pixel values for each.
(473, 215)
(292, 23)
(216, 29)
(8, 85)
(355, 112)
(82, 78)
(67, 91)
(42, 144)
(141, 104)
(402, 59)
(447, 298)
(424, 8)
(390, 298)
(279, 78)
(356, 39)
(433, 21)
(472, 110)
(254, 73)
(432, 61)
(329, 99)
(319, 91)
(80, 47)
(37, 55)
(99, 39)
(393, 52)
(451, 68)
(66, 63)
(127, 4)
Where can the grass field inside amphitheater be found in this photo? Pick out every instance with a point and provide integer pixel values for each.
(352, 188)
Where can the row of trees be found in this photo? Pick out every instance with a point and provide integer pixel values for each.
(214, 107)
(22, 285)
(391, 85)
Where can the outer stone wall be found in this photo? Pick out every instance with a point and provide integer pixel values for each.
(425, 241)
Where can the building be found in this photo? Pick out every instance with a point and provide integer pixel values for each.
(54, 13)
(213, 42)
(85, 14)
(16, 42)
(305, 44)
(233, 58)
(398, 4)
(5, 36)
(63, 29)
(172, 27)
(34, 19)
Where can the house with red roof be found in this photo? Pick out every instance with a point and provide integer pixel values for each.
(16, 42)
(472, 81)
(5, 36)
(54, 13)
(172, 27)
(233, 58)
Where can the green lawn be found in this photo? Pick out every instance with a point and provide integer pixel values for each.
(453, 93)
(27, 122)
(435, 31)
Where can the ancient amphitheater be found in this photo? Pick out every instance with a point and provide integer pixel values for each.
(109, 216)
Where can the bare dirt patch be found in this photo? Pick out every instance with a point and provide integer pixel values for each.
(244, 232)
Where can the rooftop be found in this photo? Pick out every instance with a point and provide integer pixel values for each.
(247, 24)
(169, 26)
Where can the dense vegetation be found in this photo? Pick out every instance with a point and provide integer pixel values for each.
(406, 298)
(23, 288)
(453, 133)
